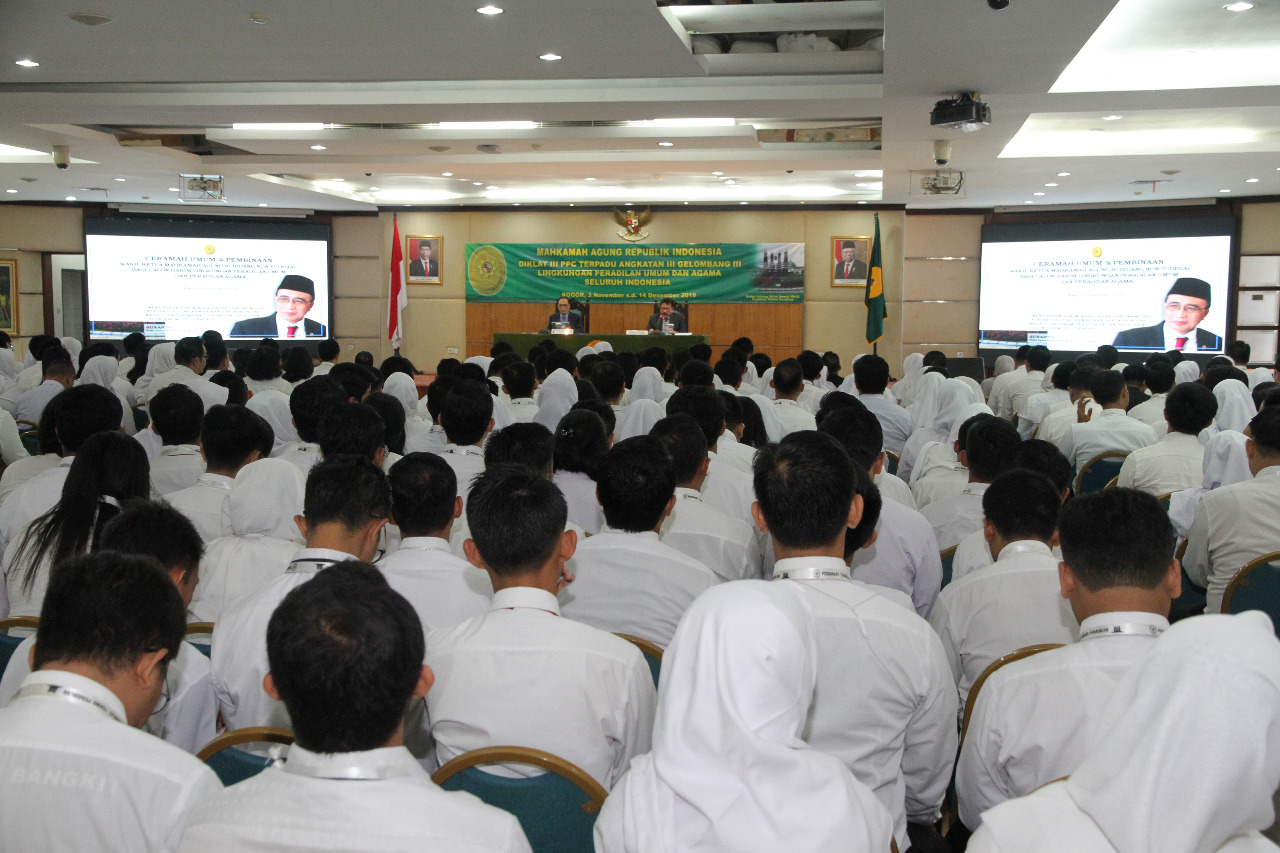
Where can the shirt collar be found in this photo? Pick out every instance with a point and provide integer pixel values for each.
(1024, 546)
(424, 543)
(50, 383)
(379, 763)
(180, 450)
(1121, 616)
(790, 564)
(1269, 471)
(321, 555)
(524, 598)
(729, 437)
(781, 402)
(646, 534)
(975, 489)
(93, 689)
(220, 481)
(1182, 438)
(688, 494)
(468, 450)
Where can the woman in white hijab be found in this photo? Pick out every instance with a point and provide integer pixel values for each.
(483, 360)
(1235, 405)
(1185, 371)
(637, 418)
(273, 407)
(904, 389)
(159, 362)
(73, 347)
(402, 387)
(584, 352)
(558, 394)
(728, 770)
(924, 406)
(8, 366)
(935, 395)
(101, 370)
(941, 453)
(647, 385)
(974, 388)
(766, 390)
(1004, 364)
(1189, 765)
(1225, 463)
(259, 537)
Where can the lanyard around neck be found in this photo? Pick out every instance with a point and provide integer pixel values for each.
(1142, 629)
(67, 694)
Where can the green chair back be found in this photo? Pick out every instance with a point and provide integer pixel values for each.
(1099, 471)
(1256, 587)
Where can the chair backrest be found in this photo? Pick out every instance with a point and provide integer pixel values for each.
(948, 560)
(235, 765)
(1024, 652)
(652, 654)
(201, 629)
(8, 645)
(29, 433)
(1165, 499)
(1099, 471)
(1256, 587)
(556, 809)
(891, 462)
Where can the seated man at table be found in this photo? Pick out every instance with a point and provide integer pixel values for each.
(565, 318)
(667, 313)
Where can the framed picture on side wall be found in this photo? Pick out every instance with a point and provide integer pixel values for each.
(850, 256)
(9, 297)
(424, 254)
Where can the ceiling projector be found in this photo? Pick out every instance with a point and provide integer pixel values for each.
(964, 112)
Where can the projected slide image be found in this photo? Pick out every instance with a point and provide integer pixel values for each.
(1153, 293)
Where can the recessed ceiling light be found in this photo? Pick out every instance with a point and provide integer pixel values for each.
(666, 144)
(491, 188)
(278, 125)
(173, 189)
(338, 180)
(1224, 191)
(1028, 202)
(718, 174)
(121, 180)
(317, 148)
(446, 174)
(489, 10)
(742, 202)
(515, 204)
(1250, 180)
(259, 17)
(729, 181)
(550, 57)
(1068, 174)
(477, 183)
(371, 189)
(588, 179)
(1112, 118)
(27, 63)
(1050, 185)
(1037, 193)
(1238, 7)
(262, 204)
(71, 198)
(862, 202)
(11, 191)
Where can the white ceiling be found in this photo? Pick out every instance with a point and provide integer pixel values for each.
(194, 69)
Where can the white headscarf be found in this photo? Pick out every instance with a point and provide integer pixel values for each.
(585, 351)
(1047, 383)
(974, 389)
(265, 497)
(1004, 364)
(1194, 755)
(73, 347)
(559, 393)
(647, 385)
(1225, 463)
(1257, 376)
(101, 370)
(483, 360)
(1185, 371)
(273, 407)
(1235, 405)
(403, 388)
(8, 366)
(926, 403)
(940, 452)
(159, 362)
(603, 346)
(751, 377)
(766, 390)
(904, 388)
(772, 426)
(638, 417)
(728, 770)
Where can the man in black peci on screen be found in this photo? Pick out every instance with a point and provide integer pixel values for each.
(295, 296)
(1185, 306)
(667, 313)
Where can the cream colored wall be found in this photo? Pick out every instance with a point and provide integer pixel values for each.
(1260, 229)
(25, 232)
(940, 297)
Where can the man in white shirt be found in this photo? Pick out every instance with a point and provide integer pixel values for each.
(696, 529)
(1015, 602)
(347, 503)
(442, 588)
(1001, 397)
(1176, 461)
(811, 372)
(58, 376)
(988, 443)
(1039, 405)
(177, 415)
(1034, 720)
(628, 581)
(518, 383)
(1110, 429)
(1237, 523)
(885, 704)
(520, 674)
(189, 356)
(871, 377)
(1159, 383)
(467, 418)
(308, 404)
(1062, 416)
(729, 449)
(787, 384)
(727, 486)
(611, 382)
(75, 773)
(230, 438)
(345, 654)
(329, 352)
(1026, 385)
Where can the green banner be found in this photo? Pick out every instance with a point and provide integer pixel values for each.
(607, 272)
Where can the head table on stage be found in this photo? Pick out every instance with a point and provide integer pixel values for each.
(522, 343)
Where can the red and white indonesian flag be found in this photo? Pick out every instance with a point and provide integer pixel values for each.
(397, 296)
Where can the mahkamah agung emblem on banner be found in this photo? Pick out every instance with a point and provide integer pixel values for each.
(632, 222)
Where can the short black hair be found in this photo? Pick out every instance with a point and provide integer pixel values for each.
(230, 435)
(1239, 351)
(1264, 428)
(938, 358)
(1108, 355)
(364, 358)
(1160, 377)
(519, 379)
(393, 416)
(396, 364)
(1039, 358)
(347, 490)
(732, 405)
(581, 441)
(131, 341)
(810, 364)
(351, 428)
(859, 432)
(696, 372)
(1062, 375)
(529, 444)
(264, 364)
(609, 379)
(700, 352)
(153, 529)
(466, 413)
(297, 364)
(423, 490)
(1043, 457)
(237, 391)
(635, 484)
(871, 374)
(516, 518)
(215, 348)
(561, 359)
(684, 443)
(1221, 373)
(872, 505)
(804, 485)
(987, 445)
(1090, 359)
(729, 371)
(57, 368)
(753, 432)
(177, 414)
(1116, 537)
(761, 361)
(328, 349)
(833, 401)
(1261, 391)
(355, 379)
(109, 609)
(311, 401)
(1106, 386)
(704, 406)
(84, 411)
(601, 408)
(787, 377)
(188, 350)
(345, 652)
(1022, 504)
(1082, 376)
(744, 345)
(1189, 408)
(1135, 373)
(446, 366)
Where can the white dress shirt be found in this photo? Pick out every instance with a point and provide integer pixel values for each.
(895, 422)
(892, 488)
(1015, 602)
(467, 464)
(793, 416)
(32, 499)
(211, 394)
(203, 503)
(188, 717)
(1233, 525)
(176, 467)
(1171, 464)
(956, 517)
(150, 440)
(1034, 720)
(885, 704)
(1037, 406)
(904, 557)
(24, 470)
(579, 492)
(240, 644)
(379, 801)
(31, 404)
(1150, 411)
(1001, 397)
(1110, 429)
(443, 589)
(1061, 418)
(1023, 388)
(973, 553)
(75, 777)
(522, 409)
(631, 583)
(520, 675)
(279, 383)
(734, 453)
(940, 484)
(723, 544)
(431, 441)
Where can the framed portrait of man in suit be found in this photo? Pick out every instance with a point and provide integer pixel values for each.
(9, 297)
(849, 266)
(423, 254)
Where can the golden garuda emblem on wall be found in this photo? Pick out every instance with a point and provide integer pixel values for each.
(632, 223)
